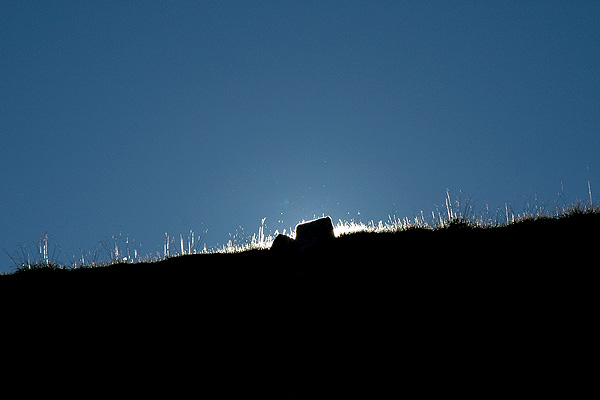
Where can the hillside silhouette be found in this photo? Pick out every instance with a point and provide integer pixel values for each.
(459, 309)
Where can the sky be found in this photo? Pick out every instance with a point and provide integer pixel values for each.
(141, 118)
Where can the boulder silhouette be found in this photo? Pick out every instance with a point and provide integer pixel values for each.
(309, 234)
(316, 230)
(282, 243)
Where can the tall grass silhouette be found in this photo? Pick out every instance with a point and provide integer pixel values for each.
(460, 299)
(461, 210)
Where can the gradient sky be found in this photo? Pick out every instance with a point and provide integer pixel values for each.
(151, 117)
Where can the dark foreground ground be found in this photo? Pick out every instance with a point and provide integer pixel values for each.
(459, 311)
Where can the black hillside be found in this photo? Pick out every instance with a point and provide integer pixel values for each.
(472, 311)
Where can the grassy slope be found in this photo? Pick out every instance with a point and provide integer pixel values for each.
(455, 310)
(533, 239)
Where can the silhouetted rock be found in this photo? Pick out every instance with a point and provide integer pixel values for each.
(282, 243)
(315, 230)
(309, 234)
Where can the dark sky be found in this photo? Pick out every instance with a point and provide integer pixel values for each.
(151, 117)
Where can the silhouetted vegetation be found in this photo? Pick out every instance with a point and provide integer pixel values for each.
(462, 307)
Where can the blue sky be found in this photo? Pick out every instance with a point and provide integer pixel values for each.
(152, 117)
